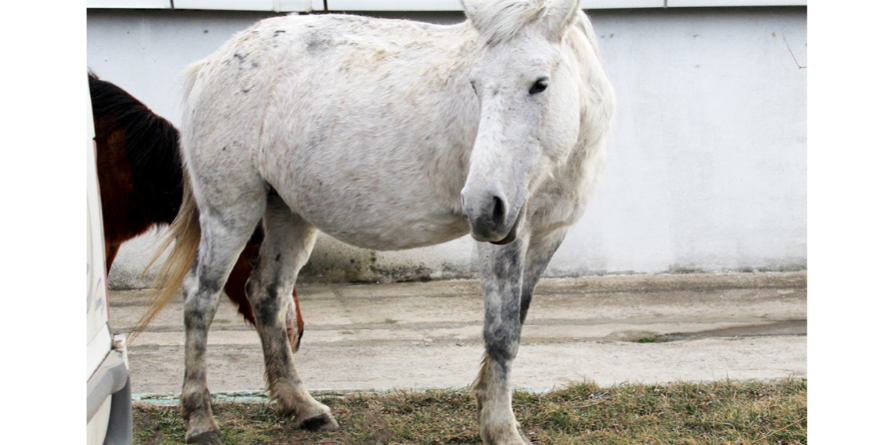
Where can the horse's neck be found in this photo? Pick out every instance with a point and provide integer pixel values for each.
(460, 117)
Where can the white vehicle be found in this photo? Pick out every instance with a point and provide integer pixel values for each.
(108, 399)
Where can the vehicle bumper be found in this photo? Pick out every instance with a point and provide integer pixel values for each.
(112, 379)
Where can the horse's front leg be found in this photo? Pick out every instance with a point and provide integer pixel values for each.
(501, 270)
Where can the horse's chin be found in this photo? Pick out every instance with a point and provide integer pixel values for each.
(512, 234)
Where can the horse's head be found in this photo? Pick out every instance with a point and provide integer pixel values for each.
(529, 89)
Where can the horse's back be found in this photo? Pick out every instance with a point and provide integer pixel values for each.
(374, 71)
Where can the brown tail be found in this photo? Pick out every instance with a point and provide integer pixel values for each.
(184, 235)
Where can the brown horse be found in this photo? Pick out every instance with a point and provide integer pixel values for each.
(140, 179)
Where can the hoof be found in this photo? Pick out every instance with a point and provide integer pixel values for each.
(323, 422)
(525, 439)
(205, 438)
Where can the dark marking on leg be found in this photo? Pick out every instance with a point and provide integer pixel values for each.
(210, 286)
(268, 308)
(537, 259)
(502, 339)
(525, 301)
(510, 259)
(194, 266)
(499, 356)
(194, 317)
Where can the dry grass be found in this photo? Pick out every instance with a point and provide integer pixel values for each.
(723, 412)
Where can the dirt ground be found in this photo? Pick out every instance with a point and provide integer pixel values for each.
(613, 329)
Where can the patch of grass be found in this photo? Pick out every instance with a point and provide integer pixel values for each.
(648, 339)
(724, 412)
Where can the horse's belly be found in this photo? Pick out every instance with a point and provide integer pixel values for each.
(407, 239)
(391, 234)
(389, 221)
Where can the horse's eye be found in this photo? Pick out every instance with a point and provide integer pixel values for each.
(474, 86)
(539, 85)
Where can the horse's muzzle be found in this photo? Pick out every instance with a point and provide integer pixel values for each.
(491, 219)
(512, 234)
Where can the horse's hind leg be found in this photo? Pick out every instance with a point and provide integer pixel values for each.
(235, 288)
(225, 229)
(288, 243)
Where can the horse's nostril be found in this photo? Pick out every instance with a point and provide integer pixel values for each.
(498, 210)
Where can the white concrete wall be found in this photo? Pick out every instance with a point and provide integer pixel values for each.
(707, 157)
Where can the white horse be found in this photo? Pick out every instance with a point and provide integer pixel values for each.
(386, 134)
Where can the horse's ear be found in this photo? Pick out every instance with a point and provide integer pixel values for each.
(558, 16)
(472, 9)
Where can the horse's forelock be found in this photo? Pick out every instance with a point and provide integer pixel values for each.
(499, 21)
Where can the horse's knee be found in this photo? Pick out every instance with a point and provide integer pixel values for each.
(502, 342)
